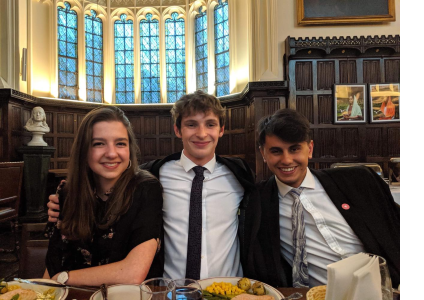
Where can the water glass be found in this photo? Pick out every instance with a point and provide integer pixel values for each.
(187, 289)
(157, 289)
(386, 281)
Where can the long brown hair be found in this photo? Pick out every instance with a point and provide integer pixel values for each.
(79, 212)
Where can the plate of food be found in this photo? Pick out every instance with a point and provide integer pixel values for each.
(15, 290)
(237, 288)
(118, 292)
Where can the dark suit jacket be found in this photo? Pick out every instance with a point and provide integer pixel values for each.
(373, 216)
(250, 208)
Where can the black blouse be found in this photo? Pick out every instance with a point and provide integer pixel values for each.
(142, 222)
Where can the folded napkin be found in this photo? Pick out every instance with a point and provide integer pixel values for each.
(347, 278)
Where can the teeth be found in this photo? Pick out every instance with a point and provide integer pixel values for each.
(287, 169)
(111, 164)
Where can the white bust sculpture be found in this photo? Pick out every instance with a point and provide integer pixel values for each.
(37, 126)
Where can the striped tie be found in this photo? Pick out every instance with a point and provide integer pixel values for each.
(300, 264)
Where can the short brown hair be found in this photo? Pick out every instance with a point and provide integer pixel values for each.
(197, 102)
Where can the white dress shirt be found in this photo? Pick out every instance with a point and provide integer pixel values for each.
(221, 197)
(328, 236)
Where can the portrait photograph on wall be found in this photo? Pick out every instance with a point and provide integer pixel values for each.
(350, 103)
(384, 102)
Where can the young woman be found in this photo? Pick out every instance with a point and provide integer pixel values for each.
(110, 211)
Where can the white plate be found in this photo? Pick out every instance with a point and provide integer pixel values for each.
(60, 293)
(204, 283)
(119, 292)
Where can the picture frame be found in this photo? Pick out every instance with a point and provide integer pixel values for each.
(350, 103)
(384, 102)
(321, 12)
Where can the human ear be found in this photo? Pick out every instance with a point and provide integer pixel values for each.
(177, 131)
(221, 131)
(311, 149)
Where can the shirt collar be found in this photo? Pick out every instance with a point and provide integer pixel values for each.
(308, 182)
(187, 164)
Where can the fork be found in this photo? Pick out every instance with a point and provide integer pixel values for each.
(103, 289)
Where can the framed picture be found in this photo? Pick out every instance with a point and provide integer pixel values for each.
(350, 103)
(384, 102)
(318, 12)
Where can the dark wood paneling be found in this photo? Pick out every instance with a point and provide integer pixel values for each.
(64, 146)
(16, 118)
(149, 147)
(149, 125)
(238, 144)
(348, 71)
(223, 147)
(270, 105)
(374, 142)
(392, 70)
(305, 105)
(325, 109)
(135, 124)
(165, 125)
(326, 75)
(393, 142)
(165, 146)
(372, 71)
(327, 143)
(304, 76)
(350, 143)
(65, 123)
(238, 118)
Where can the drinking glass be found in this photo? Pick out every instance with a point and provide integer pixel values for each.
(386, 281)
(187, 289)
(157, 289)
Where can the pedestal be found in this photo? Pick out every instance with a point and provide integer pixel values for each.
(36, 168)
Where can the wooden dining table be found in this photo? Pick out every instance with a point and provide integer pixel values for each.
(85, 295)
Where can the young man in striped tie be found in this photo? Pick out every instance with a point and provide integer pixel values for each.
(312, 218)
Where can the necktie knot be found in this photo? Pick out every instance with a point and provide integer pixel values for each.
(296, 191)
(198, 170)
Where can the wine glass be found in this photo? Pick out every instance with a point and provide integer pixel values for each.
(187, 289)
(157, 289)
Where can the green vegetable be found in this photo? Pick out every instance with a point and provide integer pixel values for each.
(16, 297)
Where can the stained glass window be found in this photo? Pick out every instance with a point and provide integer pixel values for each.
(124, 61)
(201, 56)
(149, 60)
(67, 35)
(175, 57)
(222, 49)
(94, 57)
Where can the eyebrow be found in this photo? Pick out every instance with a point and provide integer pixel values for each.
(103, 139)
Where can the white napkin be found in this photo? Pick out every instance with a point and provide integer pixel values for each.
(366, 284)
(340, 276)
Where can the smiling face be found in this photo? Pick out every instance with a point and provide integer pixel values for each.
(350, 100)
(109, 153)
(200, 133)
(288, 161)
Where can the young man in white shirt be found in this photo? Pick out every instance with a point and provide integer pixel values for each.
(345, 210)
(230, 205)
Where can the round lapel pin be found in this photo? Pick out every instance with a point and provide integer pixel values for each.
(345, 206)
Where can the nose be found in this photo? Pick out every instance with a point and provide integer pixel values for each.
(111, 152)
(286, 159)
(201, 132)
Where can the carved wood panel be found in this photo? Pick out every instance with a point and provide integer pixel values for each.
(305, 105)
(238, 144)
(223, 146)
(392, 70)
(1, 147)
(347, 71)
(149, 147)
(238, 118)
(135, 124)
(327, 143)
(304, 76)
(64, 146)
(178, 144)
(325, 75)
(16, 118)
(65, 123)
(165, 125)
(350, 143)
(374, 142)
(372, 72)
(325, 109)
(165, 146)
(149, 125)
(393, 142)
(270, 106)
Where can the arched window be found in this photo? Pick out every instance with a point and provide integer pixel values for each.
(94, 57)
(175, 57)
(201, 53)
(222, 49)
(149, 60)
(124, 61)
(67, 34)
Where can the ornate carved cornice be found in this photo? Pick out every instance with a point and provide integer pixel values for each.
(327, 44)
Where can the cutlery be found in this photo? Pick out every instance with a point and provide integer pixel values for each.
(103, 289)
(293, 296)
(57, 285)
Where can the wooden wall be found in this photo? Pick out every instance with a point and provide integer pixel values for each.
(313, 65)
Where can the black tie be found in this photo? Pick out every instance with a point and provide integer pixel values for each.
(194, 245)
